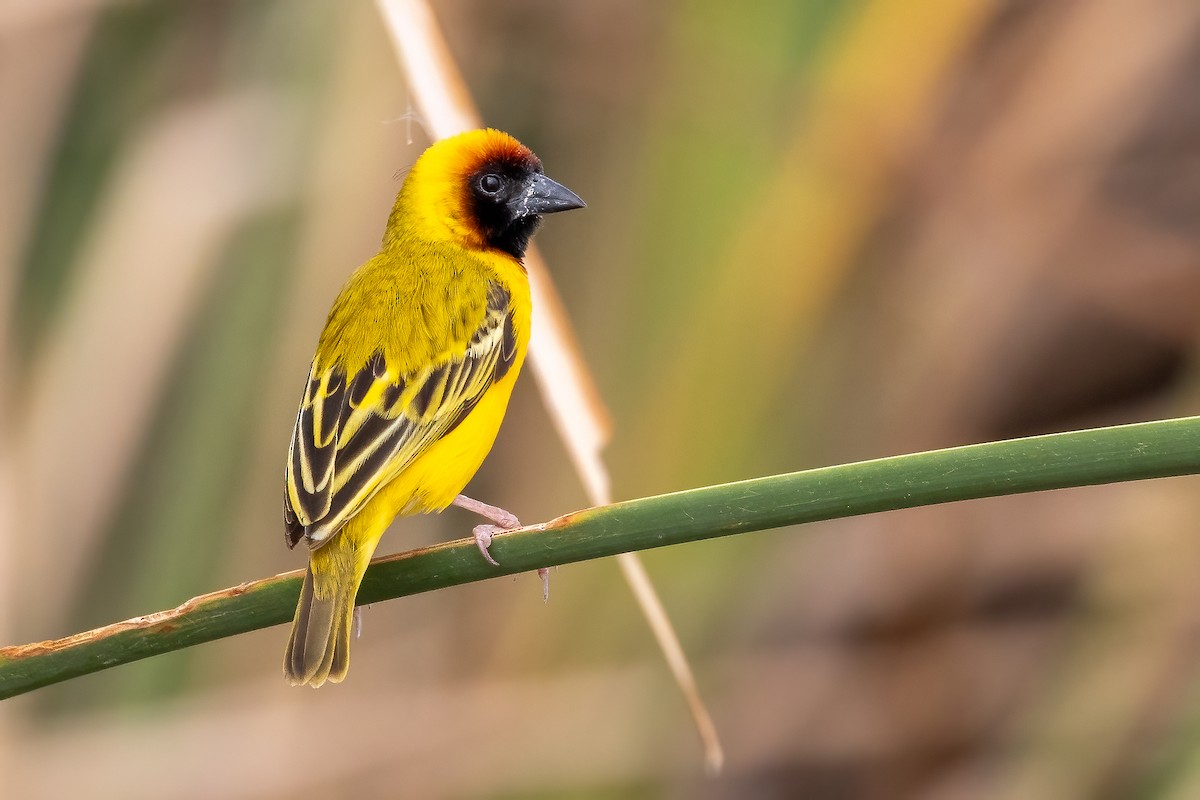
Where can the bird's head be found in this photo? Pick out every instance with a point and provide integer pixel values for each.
(483, 189)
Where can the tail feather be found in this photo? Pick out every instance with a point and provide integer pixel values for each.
(319, 647)
(339, 663)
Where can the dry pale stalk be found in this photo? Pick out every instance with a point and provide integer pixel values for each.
(564, 381)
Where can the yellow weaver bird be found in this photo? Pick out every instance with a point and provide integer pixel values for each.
(412, 376)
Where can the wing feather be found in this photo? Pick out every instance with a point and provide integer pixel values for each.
(355, 433)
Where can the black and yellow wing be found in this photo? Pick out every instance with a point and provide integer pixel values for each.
(355, 433)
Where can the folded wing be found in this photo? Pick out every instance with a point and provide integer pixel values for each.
(355, 433)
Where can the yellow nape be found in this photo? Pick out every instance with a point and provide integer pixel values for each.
(433, 200)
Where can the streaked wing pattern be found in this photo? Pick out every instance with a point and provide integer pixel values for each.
(353, 436)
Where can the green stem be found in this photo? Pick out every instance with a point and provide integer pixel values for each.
(1104, 455)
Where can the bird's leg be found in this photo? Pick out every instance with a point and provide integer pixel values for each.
(503, 521)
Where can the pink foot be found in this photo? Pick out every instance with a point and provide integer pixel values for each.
(504, 521)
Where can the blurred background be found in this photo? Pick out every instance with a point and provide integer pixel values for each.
(817, 231)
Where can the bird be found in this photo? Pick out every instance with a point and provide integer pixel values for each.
(412, 376)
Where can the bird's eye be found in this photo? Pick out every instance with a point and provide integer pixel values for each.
(490, 183)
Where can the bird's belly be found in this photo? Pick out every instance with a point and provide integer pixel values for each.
(433, 481)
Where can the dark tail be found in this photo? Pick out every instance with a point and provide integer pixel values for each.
(319, 648)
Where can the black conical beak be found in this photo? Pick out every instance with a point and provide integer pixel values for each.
(544, 196)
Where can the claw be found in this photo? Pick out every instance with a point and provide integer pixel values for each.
(483, 537)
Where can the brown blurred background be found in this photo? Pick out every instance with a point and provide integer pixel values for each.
(817, 232)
